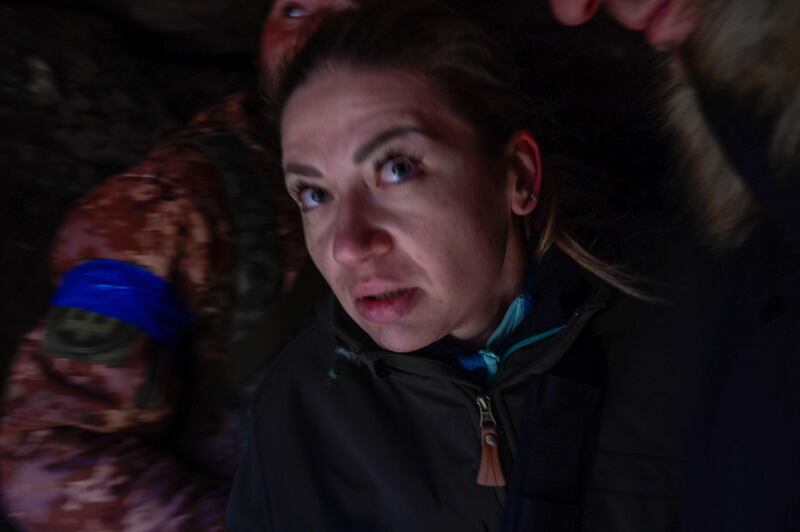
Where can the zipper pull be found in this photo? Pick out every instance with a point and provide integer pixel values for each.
(490, 472)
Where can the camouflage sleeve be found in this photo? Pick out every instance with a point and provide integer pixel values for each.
(70, 479)
(93, 389)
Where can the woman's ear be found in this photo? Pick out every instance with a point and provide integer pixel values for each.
(524, 172)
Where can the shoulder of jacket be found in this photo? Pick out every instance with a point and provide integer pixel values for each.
(307, 355)
(166, 175)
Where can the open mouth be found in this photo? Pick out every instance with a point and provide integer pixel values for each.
(387, 307)
(387, 295)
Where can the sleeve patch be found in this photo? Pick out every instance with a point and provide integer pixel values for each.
(101, 295)
(88, 336)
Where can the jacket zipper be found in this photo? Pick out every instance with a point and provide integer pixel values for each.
(490, 472)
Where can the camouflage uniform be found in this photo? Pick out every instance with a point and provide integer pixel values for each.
(160, 269)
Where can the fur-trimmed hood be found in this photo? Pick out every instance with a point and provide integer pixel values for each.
(747, 52)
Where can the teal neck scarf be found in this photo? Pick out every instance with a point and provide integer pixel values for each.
(484, 364)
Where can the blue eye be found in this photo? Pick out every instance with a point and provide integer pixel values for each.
(294, 11)
(312, 197)
(308, 197)
(396, 168)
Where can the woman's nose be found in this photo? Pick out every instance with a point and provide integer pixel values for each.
(358, 237)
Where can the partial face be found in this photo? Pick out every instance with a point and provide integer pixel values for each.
(666, 24)
(289, 25)
(410, 225)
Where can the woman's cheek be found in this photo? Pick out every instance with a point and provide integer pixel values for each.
(314, 239)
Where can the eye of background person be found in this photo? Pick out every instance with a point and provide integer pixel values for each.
(294, 11)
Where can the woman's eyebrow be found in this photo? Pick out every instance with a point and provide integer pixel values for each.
(366, 149)
(301, 169)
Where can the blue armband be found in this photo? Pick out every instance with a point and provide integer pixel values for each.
(129, 293)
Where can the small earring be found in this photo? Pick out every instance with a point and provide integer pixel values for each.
(532, 197)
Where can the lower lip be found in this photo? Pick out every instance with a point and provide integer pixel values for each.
(388, 309)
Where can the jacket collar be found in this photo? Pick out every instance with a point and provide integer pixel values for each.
(565, 296)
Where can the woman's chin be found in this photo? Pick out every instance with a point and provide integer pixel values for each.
(398, 338)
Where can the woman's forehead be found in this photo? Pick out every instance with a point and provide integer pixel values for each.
(345, 105)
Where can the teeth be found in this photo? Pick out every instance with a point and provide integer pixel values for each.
(388, 294)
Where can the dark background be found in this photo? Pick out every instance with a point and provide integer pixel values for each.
(88, 87)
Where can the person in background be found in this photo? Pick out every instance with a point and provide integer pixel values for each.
(123, 406)
(734, 106)
(452, 380)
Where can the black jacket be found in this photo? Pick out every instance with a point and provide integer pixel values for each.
(372, 440)
(744, 468)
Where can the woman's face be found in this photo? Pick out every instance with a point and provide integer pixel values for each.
(408, 222)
